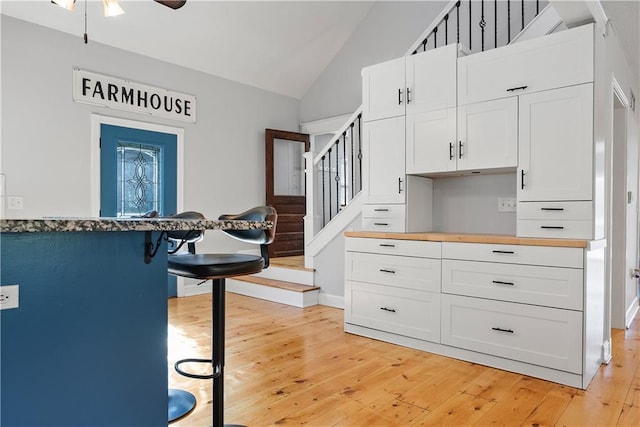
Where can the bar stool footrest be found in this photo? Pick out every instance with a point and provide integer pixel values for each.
(179, 370)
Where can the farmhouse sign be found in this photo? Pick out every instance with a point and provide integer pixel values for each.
(119, 94)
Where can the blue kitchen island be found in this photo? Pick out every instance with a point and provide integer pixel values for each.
(87, 345)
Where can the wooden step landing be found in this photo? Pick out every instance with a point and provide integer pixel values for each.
(280, 291)
(293, 262)
(290, 286)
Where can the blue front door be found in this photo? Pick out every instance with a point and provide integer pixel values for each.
(138, 174)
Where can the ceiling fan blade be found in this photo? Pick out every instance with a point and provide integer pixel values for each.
(173, 4)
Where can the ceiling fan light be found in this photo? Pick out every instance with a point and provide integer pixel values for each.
(112, 8)
(66, 4)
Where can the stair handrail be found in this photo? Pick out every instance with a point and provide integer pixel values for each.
(434, 24)
(338, 135)
(452, 9)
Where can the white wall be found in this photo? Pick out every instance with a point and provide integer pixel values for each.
(469, 204)
(45, 151)
(387, 32)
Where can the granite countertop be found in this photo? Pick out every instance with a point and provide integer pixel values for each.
(46, 225)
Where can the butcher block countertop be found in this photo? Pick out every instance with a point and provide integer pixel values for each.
(501, 239)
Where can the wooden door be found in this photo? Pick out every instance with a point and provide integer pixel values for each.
(285, 189)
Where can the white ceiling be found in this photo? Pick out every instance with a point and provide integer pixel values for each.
(279, 46)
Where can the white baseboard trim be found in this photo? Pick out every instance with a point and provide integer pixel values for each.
(631, 313)
(335, 301)
(606, 352)
(191, 288)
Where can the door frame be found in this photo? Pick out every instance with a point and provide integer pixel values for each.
(96, 121)
(616, 95)
(272, 199)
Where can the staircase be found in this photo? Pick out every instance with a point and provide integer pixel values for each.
(334, 173)
(286, 281)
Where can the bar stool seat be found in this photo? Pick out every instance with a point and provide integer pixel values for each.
(212, 266)
(217, 267)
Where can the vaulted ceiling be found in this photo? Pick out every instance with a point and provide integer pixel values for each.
(279, 46)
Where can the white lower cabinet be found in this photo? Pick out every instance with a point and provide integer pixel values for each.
(394, 286)
(529, 284)
(543, 336)
(401, 311)
(533, 309)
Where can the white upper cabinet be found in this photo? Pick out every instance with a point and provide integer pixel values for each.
(384, 167)
(431, 80)
(413, 84)
(431, 141)
(383, 90)
(556, 145)
(556, 60)
(431, 110)
(488, 135)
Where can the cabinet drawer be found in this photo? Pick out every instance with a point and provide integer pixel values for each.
(391, 225)
(412, 248)
(555, 229)
(384, 211)
(514, 254)
(555, 210)
(400, 311)
(545, 286)
(557, 60)
(422, 274)
(543, 336)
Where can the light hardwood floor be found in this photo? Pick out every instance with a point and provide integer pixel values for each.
(292, 366)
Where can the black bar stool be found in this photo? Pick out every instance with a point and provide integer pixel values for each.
(218, 267)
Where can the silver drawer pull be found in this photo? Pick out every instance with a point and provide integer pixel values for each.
(551, 209)
(387, 245)
(381, 210)
(500, 282)
(380, 223)
(503, 330)
(392, 310)
(384, 270)
(552, 227)
(503, 252)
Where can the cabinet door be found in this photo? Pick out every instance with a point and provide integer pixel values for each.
(431, 80)
(431, 141)
(556, 60)
(384, 171)
(556, 145)
(383, 90)
(488, 134)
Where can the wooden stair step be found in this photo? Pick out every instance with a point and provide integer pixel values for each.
(290, 286)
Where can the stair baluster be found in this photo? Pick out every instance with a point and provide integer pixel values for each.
(348, 160)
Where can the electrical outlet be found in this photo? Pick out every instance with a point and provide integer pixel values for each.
(506, 204)
(15, 202)
(9, 297)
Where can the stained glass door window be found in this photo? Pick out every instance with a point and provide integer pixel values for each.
(138, 172)
(138, 179)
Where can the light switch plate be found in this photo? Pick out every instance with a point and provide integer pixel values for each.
(506, 204)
